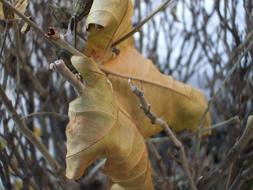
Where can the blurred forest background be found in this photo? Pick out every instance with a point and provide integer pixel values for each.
(206, 43)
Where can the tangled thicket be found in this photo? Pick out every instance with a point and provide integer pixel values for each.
(205, 43)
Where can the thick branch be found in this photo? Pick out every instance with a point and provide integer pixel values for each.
(158, 121)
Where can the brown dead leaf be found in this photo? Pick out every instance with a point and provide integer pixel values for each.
(106, 121)
(179, 104)
(98, 128)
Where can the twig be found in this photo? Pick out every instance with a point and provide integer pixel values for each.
(160, 177)
(241, 178)
(95, 170)
(158, 158)
(36, 83)
(4, 40)
(235, 61)
(158, 121)
(235, 58)
(230, 121)
(45, 113)
(137, 28)
(229, 176)
(60, 66)
(28, 134)
(220, 125)
(207, 181)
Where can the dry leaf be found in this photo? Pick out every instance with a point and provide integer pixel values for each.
(179, 104)
(98, 128)
(106, 121)
(109, 15)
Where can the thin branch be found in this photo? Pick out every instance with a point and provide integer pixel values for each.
(163, 6)
(45, 113)
(36, 83)
(28, 134)
(60, 66)
(4, 40)
(158, 158)
(241, 178)
(95, 170)
(233, 155)
(234, 60)
(220, 125)
(158, 121)
(229, 176)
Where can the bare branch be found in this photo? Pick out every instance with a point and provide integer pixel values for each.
(56, 41)
(95, 170)
(241, 178)
(45, 113)
(158, 121)
(220, 125)
(233, 155)
(28, 134)
(235, 59)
